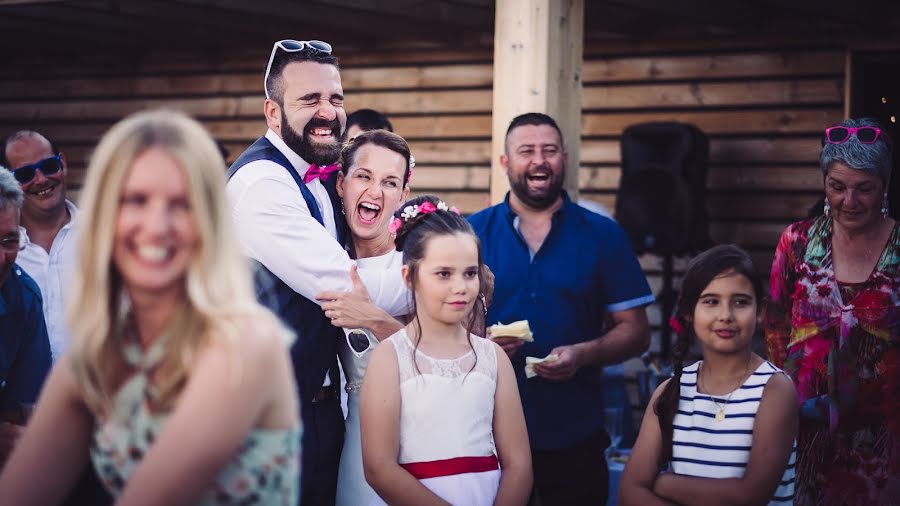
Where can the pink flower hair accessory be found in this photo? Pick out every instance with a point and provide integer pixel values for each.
(412, 165)
(395, 225)
(675, 325)
(413, 211)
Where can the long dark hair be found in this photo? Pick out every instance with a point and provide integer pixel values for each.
(705, 267)
(412, 239)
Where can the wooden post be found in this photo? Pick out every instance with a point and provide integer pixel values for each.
(538, 53)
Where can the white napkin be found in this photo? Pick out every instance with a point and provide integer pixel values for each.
(520, 329)
(530, 361)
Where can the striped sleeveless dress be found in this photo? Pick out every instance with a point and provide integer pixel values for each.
(705, 447)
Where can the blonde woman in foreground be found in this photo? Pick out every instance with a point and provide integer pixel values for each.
(178, 385)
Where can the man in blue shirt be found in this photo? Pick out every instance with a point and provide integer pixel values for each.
(572, 274)
(24, 345)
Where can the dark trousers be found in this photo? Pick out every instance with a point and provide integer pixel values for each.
(571, 476)
(323, 438)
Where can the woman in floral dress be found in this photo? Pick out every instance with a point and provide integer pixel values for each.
(833, 324)
(178, 386)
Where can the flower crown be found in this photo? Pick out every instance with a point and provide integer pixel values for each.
(412, 211)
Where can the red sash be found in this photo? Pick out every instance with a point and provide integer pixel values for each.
(450, 467)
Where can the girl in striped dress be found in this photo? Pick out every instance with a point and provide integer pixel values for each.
(722, 429)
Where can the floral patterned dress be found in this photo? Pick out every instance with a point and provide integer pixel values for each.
(840, 343)
(264, 471)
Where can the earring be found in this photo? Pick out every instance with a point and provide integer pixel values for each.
(827, 208)
(342, 208)
(884, 205)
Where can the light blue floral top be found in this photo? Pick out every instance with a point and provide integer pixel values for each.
(264, 471)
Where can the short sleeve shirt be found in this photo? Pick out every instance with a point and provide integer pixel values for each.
(584, 270)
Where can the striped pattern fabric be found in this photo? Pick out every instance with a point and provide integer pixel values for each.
(708, 448)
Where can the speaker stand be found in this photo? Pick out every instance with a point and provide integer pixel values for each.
(667, 302)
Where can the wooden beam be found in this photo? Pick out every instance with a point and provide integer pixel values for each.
(23, 2)
(321, 20)
(538, 47)
(444, 12)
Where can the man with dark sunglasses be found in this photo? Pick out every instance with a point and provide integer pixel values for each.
(48, 219)
(287, 215)
(47, 252)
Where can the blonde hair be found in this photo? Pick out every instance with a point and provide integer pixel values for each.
(218, 284)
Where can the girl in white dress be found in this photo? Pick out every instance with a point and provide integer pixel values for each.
(726, 425)
(440, 413)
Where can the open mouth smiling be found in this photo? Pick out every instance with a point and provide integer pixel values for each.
(538, 178)
(154, 254)
(44, 191)
(368, 212)
(321, 133)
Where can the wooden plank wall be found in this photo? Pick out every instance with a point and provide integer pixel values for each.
(763, 110)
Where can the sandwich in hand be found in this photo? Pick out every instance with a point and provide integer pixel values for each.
(519, 329)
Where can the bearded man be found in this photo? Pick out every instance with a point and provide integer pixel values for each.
(286, 212)
(567, 271)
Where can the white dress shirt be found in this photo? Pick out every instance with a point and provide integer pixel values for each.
(51, 271)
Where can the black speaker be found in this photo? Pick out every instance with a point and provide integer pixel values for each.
(661, 201)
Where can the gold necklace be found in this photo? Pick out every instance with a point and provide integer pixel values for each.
(720, 408)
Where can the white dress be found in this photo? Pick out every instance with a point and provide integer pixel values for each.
(446, 421)
(352, 489)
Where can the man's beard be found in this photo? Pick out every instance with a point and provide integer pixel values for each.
(538, 199)
(313, 152)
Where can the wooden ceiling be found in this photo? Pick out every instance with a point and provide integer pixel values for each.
(29, 27)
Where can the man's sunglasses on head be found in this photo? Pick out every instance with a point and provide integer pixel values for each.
(292, 46)
(840, 134)
(47, 166)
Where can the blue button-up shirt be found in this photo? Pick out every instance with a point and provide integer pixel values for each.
(584, 269)
(24, 346)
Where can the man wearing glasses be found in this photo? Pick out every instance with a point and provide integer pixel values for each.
(24, 348)
(48, 243)
(287, 217)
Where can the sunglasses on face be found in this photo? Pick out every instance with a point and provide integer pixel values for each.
(11, 243)
(48, 166)
(840, 134)
(358, 340)
(292, 46)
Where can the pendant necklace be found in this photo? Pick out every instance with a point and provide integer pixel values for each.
(720, 407)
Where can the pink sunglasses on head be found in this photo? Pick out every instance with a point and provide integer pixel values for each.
(864, 134)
